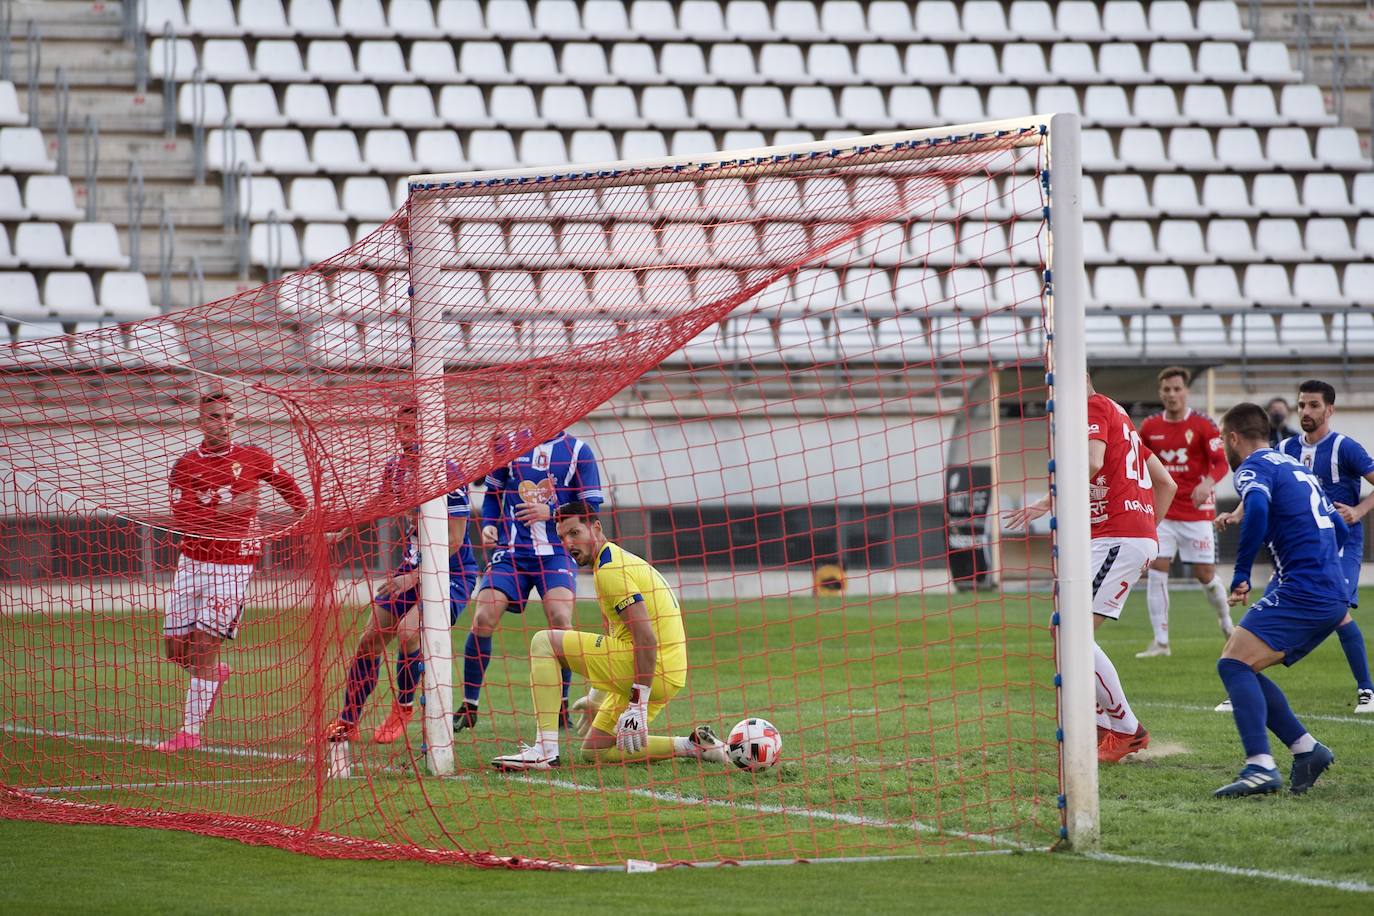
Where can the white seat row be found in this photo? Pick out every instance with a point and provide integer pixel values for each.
(47, 197)
(1229, 240)
(23, 149)
(734, 63)
(1219, 286)
(1223, 194)
(10, 115)
(703, 20)
(45, 245)
(723, 107)
(1255, 334)
(1190, 149)
(71, 295)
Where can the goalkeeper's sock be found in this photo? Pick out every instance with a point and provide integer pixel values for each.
(1248, 706)
(1157, 600)
(1352, 642)
(567, 682)
(1110, 696)
(661, 747)
(362, 680)
(199, 697)
(409, 668)
(545, 684)
(476, 654)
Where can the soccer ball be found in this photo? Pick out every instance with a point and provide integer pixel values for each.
(754, 745)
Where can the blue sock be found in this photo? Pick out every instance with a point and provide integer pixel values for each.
(1247, 704)
(476, 654)
(362, 679)
(408, 671)
(1352, 641)
(567, 682)
(1279, 717)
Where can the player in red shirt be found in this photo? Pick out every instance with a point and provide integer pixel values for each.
(1126, 484)
(1189, 445)
(214, 495)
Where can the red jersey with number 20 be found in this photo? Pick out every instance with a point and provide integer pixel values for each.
(1188, 449)
(1121, 497)
(203, 482)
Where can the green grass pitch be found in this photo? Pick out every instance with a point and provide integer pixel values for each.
(902, 714)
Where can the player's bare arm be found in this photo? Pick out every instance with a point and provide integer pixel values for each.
(1163, 485)
(1353, 514)
(1020, 518)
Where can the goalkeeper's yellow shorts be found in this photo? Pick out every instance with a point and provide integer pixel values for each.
(609, 664)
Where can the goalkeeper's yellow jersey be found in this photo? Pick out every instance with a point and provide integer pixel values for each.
(622, 579)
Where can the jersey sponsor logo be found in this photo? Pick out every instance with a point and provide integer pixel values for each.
(1174, 457)
(1214, 443)
(176, 494)
(1135, 505)
(628, 601)
(541, 492)
(1094, 428)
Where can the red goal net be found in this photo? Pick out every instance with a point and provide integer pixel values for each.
(807, 378)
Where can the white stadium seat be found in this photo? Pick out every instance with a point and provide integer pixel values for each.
(176, 58)
(434, 62)
(70, 294)
(274, 244)
(279, 60)
(124, 296)
(226, 59)
(313, 18)
(41, 245)
(315, 199)
(308, 105)
(97, 245)
(331, 61)
(284, 151)
(211, 17)
(361, 106)
(51, 197)
(255, 105)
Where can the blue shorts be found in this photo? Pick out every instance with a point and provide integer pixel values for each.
(516, 576)
(1289, 628)
(459, 590)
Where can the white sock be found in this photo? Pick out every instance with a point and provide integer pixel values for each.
(683, 747)
(1264, 760)
(1102, 720)
(1157, 599)
(1216, 597)
(547, 742)
(199, 696)
(1303, 745)
(1110, 696)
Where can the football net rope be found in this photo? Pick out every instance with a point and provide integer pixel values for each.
(810, 377)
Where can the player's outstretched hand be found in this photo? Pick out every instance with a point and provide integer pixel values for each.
(1239, 595)
(632, 729)
(488, 535)
(533, 512)
(1347, 513)
(1021, 518)
(244, 503)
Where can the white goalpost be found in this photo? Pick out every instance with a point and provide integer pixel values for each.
(432, 208)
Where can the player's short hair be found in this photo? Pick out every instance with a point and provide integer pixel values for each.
(1317, 386)
(214, 397)
(1175, 372)
(1250, 421)
(577, 509)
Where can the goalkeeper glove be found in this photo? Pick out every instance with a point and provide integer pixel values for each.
(632, 730)
(586, 709)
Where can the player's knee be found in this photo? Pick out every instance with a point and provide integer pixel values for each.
(541, 646)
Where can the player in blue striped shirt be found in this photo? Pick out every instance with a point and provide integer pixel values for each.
(1342, 465)
(1306, 600)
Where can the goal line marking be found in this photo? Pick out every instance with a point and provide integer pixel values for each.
(1330, 883)
(1185, 707)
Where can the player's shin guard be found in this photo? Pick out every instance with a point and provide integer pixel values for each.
(1248, 704)
(1279, 715)
(362, 680)
(545, 683)
(1110, 696)
(1352, 643)
(476, 655)
(1157, 599)
(409, 669)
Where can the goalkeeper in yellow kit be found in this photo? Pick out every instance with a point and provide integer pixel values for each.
(636, 667)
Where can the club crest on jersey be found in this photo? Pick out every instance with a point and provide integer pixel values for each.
(541, 492)
(1188, 436)
(236, 469)
(1244, 478)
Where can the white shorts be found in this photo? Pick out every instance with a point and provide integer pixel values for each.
(1117, 565)
(206, 596)
(1193, 541)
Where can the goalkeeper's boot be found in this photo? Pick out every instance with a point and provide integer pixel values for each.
(1307, 767)
(181, 741)
(528, 758)
(707, 745)
(1155, 649)
(1364, 701)
(1253, 780)
(465, 716)
(1118, 744)
(223, 673)
(394, 726)
(341, 730)
(1223, 706)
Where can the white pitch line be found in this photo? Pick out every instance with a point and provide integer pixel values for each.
(131, 786)
(1184, 707)
(15, 729)
(1359, 887)
(842, 817)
